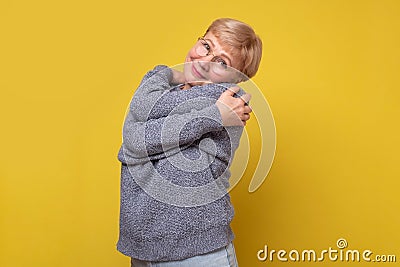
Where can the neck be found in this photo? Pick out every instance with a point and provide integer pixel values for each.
(186, 86)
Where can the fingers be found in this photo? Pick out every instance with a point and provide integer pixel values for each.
(234, 110)
(246, 98)
(232, 90)
(247, 109)
(245, 117)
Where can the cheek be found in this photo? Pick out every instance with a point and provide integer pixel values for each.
(191, 55)
(186, 69)
(187, 59)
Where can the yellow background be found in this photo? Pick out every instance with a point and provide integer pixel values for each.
(330, 74)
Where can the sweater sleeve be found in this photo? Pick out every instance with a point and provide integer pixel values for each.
(143, 140)
(153, 85)
(160, 121)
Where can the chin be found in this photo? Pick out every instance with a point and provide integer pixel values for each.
(187, 73)
(196, 84)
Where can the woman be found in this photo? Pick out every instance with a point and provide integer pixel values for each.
(180, 135)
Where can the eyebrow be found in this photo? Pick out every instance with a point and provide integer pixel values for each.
(222, 54)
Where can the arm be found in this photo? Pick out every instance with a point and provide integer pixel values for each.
(153, 85)
(178, 118)
(146, 140)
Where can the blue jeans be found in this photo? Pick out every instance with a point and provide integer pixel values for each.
(223, 257)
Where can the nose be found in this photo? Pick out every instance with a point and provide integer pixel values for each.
(205, 65)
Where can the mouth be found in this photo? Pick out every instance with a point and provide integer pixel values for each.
(197, 73)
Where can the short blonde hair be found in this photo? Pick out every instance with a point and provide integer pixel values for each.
(242, 38)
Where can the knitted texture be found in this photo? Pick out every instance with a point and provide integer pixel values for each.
(175, 171)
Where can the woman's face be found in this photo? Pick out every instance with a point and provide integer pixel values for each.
(210, 61)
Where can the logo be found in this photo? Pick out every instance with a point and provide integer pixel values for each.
(334, 254)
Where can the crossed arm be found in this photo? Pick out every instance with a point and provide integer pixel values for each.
(148, 136)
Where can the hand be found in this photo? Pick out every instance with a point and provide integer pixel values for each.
(233, 110)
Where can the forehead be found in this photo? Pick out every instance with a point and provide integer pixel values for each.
(223, 49)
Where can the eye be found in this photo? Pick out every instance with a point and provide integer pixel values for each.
(221, 62)
(206, 45)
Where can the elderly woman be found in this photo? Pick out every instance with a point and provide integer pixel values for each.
(179, 138)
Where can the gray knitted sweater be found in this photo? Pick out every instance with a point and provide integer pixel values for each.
(175, 171)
